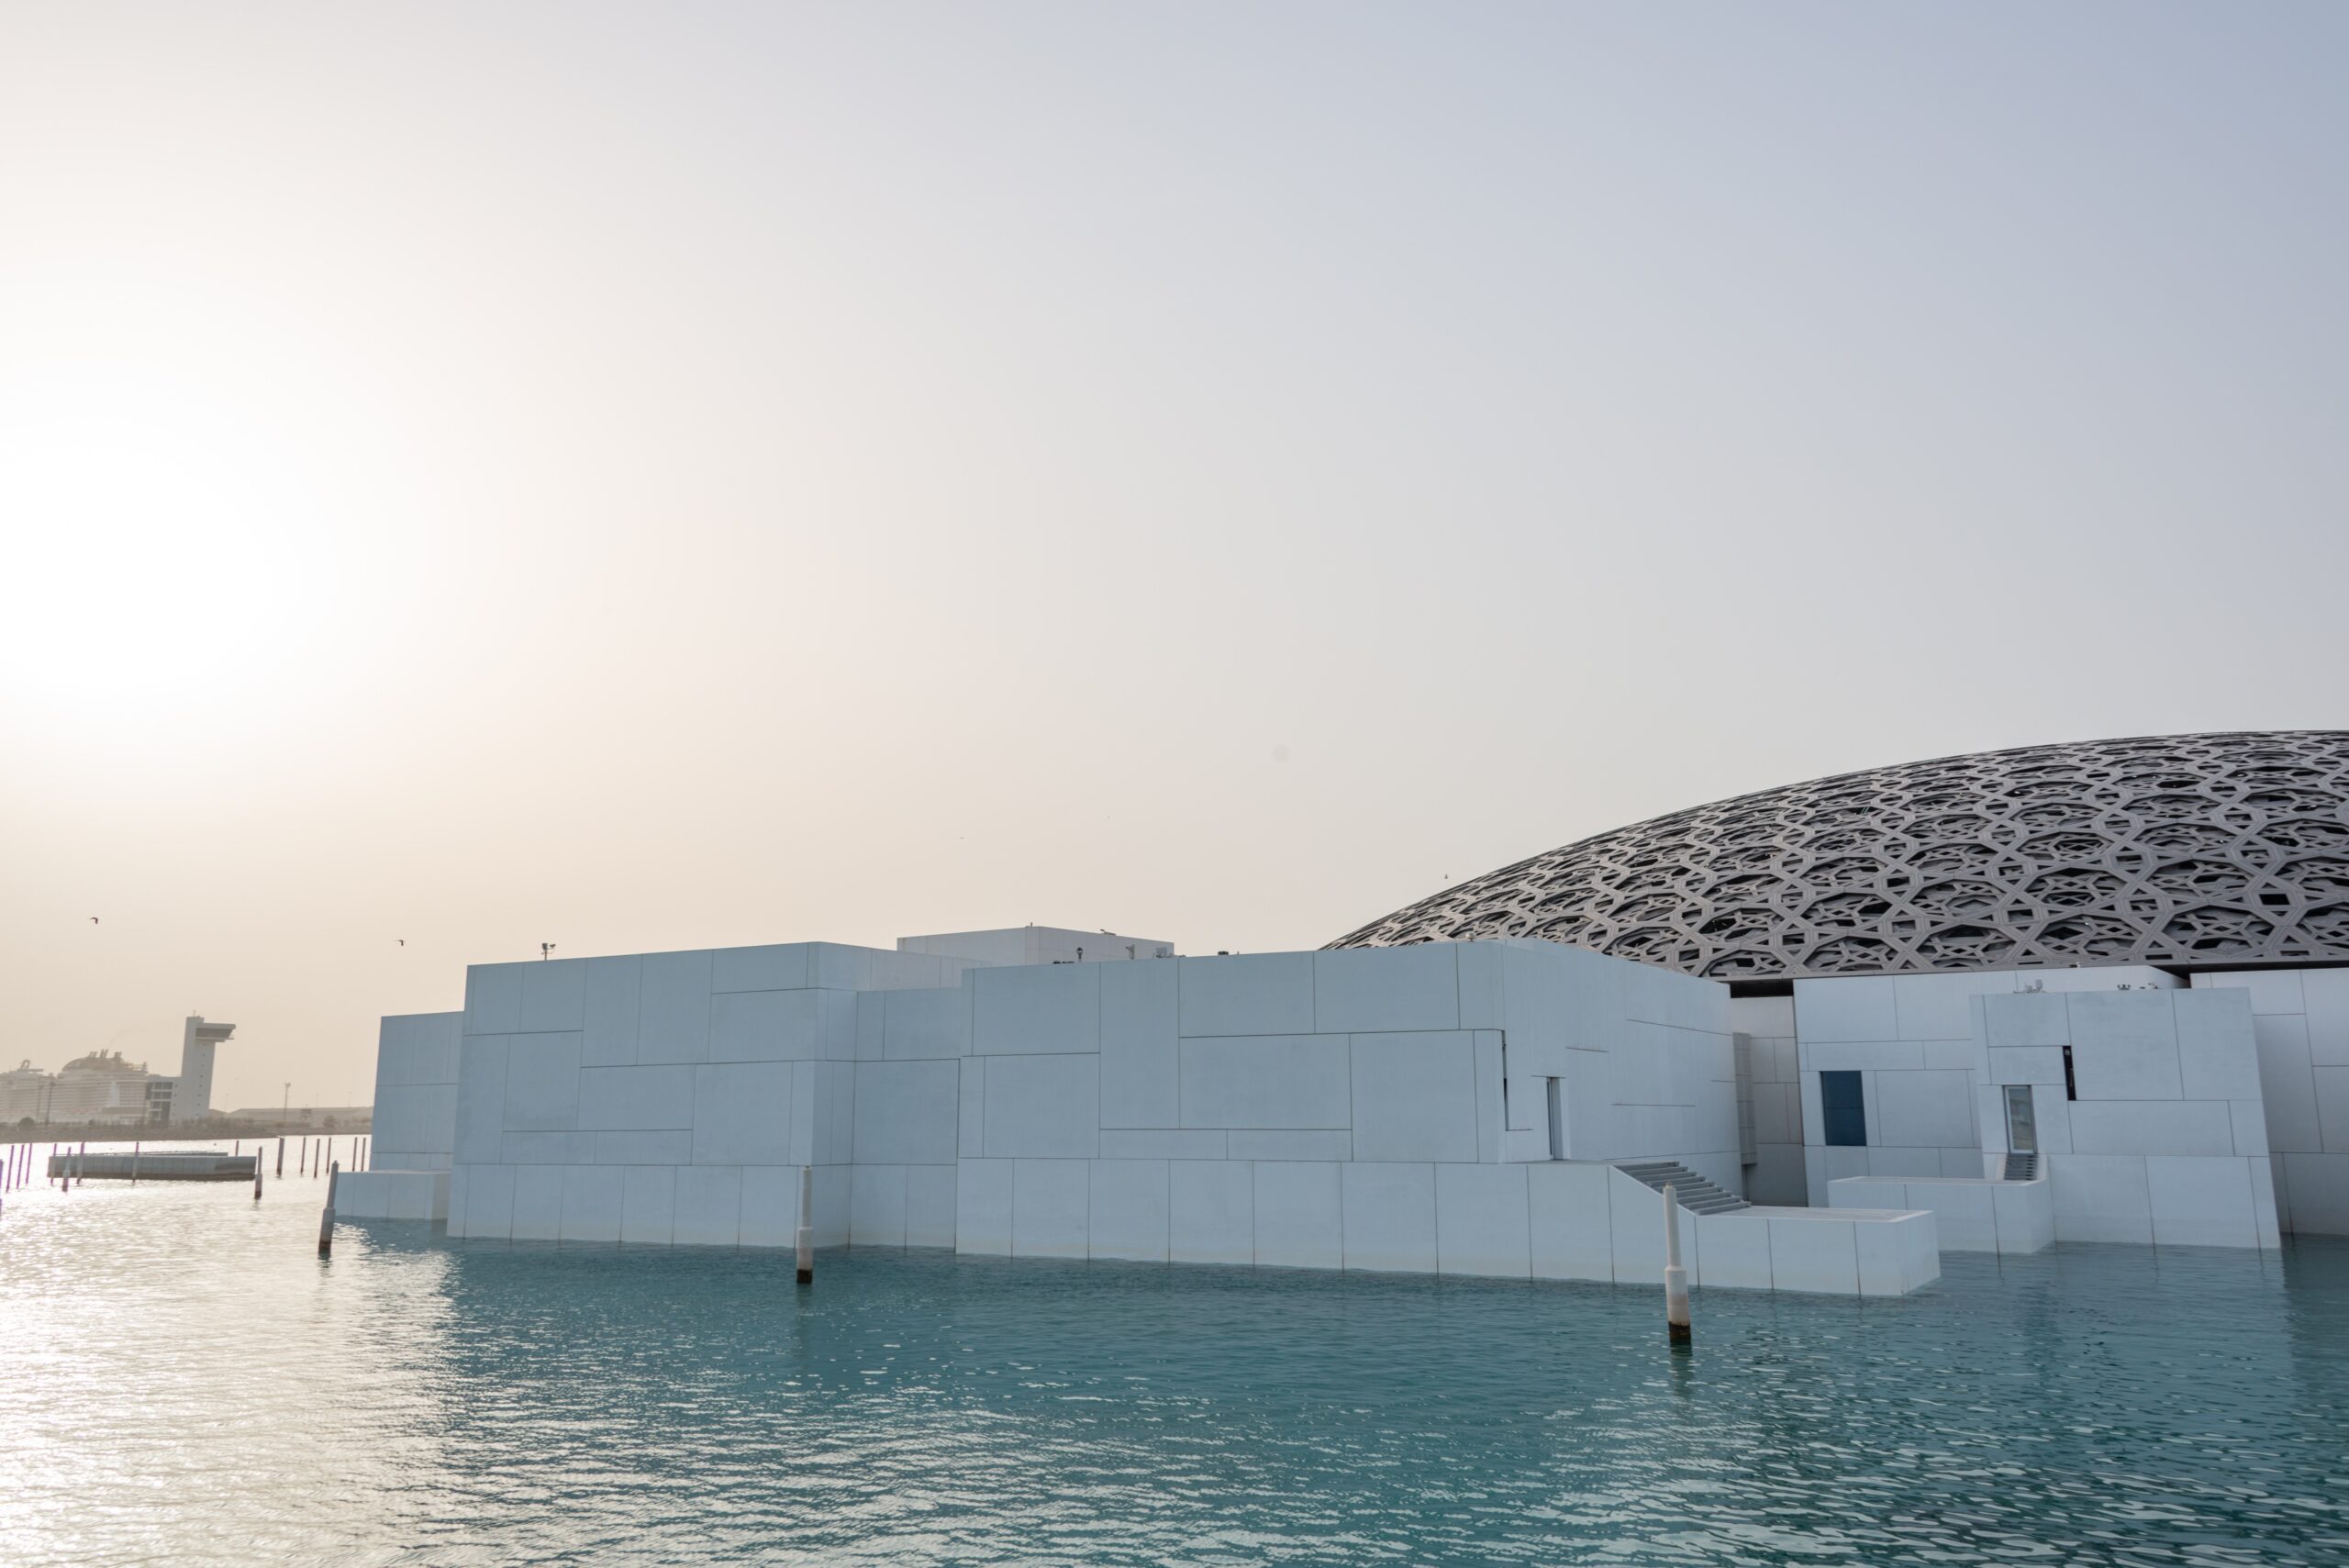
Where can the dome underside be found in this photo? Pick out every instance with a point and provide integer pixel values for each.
(2205, 850)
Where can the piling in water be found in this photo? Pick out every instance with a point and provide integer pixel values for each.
(1675, 1278)
(325, 1220)
(807, 1224)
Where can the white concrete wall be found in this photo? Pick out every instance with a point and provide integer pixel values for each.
(1911, 1039)
(2301, 1021)
(1230, 1108)
(1325, 1109)
(671, 1097)
(2167, 1140)
(414, 1124)
(1971, 1215)
(392, 1195)
(1776, 1176)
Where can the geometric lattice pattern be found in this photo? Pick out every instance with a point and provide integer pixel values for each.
(2191, 849)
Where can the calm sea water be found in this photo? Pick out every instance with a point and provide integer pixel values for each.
(182, 1381)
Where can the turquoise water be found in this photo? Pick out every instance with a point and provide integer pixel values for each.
(186, 1382)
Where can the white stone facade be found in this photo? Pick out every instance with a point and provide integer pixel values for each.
(1443, 1109)
(1447, 1107)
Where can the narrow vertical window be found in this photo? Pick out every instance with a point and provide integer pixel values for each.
(2071, 1084)
(1843, 1110)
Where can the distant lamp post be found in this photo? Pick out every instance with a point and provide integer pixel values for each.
(546, 949)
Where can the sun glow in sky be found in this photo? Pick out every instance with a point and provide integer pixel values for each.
(639, 478)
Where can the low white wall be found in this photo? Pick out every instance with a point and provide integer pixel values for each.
(1970, 1215)
(1560, 1220)
(392, 1195)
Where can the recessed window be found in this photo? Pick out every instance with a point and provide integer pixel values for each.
(1843, 1110)
(2071, 1084)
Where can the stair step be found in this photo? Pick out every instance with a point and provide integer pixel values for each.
(1689, 1190)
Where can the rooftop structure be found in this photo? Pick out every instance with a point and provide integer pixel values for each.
(2225, 851)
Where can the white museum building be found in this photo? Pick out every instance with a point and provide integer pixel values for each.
(2081, 993)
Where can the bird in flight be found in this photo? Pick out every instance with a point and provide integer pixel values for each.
(402, 940)
(94, 919)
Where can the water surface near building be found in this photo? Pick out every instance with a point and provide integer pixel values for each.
(188, 1382)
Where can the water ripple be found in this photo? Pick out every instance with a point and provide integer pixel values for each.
(188, 1384)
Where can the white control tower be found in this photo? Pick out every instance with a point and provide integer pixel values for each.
(192, 1096)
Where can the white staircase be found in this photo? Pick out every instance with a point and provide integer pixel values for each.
(1691, 1191)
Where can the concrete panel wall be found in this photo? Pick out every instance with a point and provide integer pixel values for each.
(1378, 1109)
(416, 1091)
(2300, 1033)
(2158, 1137)
(669, 1098)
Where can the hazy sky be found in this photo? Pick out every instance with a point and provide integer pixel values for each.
(659, 475)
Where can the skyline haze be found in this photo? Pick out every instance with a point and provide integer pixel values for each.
(641, 480)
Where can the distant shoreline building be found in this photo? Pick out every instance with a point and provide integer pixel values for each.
(314, 1119)
(100, 1087)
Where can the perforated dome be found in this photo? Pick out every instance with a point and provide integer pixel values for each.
(2188, 850)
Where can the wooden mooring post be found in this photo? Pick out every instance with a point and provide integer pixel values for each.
(325, 1217)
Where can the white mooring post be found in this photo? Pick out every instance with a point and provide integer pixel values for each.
(1675, 1278)
(325, 1217)
(256, 1172)
(806, 1224)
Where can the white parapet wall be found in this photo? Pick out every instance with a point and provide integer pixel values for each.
(1971, 1214)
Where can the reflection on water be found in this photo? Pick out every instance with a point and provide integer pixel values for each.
(187, 1383)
